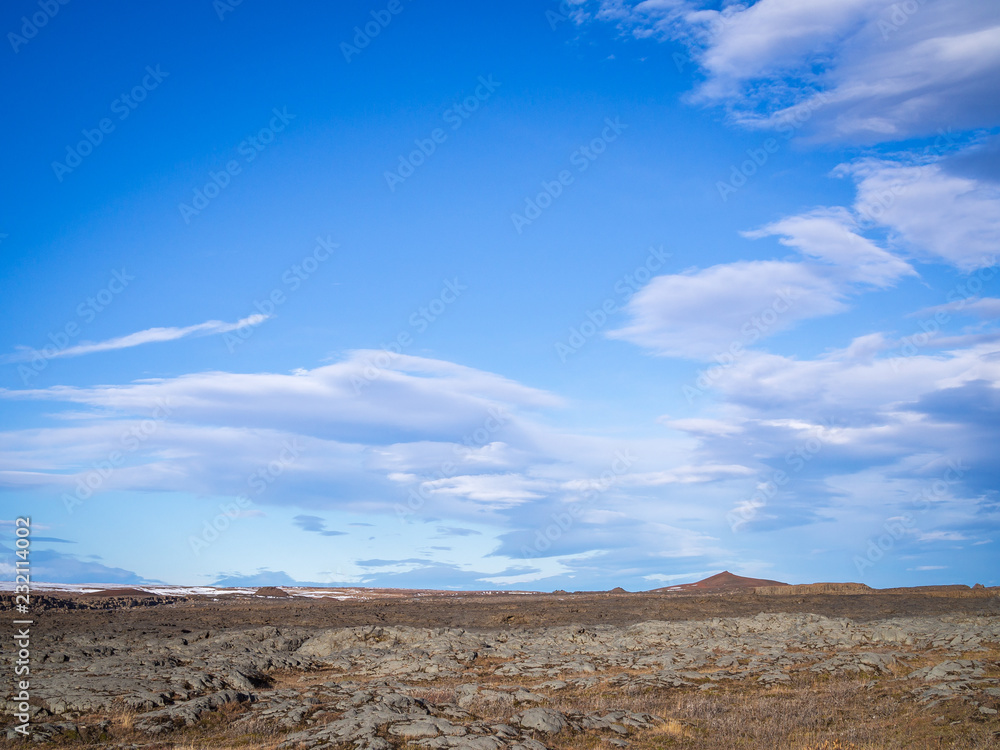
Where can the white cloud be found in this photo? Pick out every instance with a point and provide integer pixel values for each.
(208, 432)
(869, 70)
(703, 426)
(414, 394)
(853, 379)
(985, 307)
(771, 37)
(930, 214)
(942, 536)
(148, 336)
(357, 454)
(702, 313)
(685, 475)
(922, 425)
(495, 490)
(690, 577)
(413, 456)
(707, 313)
(935, 214)
(464, 439)
(546, 568)
(829, 235)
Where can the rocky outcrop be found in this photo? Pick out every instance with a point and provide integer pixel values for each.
(814, 588)
(112, 600)
(273, 591)
(977, 591)
(378, 677)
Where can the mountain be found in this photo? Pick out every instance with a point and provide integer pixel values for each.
(720, 582)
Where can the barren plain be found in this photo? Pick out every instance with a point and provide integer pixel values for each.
(716, 666)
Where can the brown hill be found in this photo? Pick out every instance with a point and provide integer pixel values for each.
(271, 591)
(719, 583)
(103, 593)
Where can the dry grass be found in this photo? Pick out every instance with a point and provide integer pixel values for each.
(122, 719)
(671, 728)
(201, 745)
(812, 712)
(435, 694)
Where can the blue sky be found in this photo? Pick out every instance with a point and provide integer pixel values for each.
(520, 295)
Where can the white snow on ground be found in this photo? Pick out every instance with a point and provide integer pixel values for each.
(165, 590)
(86, 588)
(306, 591)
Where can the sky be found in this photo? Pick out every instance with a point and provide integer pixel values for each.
(521, 295)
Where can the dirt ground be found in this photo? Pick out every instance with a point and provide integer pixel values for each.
(490, 611)
(400, 670)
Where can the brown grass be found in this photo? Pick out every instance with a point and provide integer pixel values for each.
(812, 712)
(122, 719)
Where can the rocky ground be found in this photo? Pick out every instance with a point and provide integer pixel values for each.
(546, 671)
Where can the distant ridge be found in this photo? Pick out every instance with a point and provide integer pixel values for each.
(721, 582)
(840, 589)
(102, 593)
(271, 591)
(815, 588)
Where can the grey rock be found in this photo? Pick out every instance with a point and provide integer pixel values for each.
(529, 744)
(543, 720)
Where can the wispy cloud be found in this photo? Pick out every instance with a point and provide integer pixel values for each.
(315, 524)
(934, 213)
(52, 539)
(942, 536)
(930, 214)
(148, 336)
(700, 313)
(456, 531)
(870, 70)
(984, 307)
